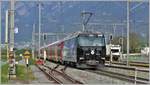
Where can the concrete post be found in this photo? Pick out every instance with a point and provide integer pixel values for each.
(0, 29)
(39, 54)
(6, 33)
(33, 41)
(128, 20)
(149, 42)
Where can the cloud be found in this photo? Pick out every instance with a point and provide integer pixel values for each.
(48, 3)
(106, 14)
(19, 5)
(27, 25)
(31, 4)
(16, 20)
(22, 12)
(54, 7)
(52, 20)
(70, 6)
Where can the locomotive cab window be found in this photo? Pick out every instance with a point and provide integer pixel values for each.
(91, 40)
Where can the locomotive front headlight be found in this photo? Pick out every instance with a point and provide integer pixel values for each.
(97, 53)
(92, 52)
(87, 54)
(81, 58)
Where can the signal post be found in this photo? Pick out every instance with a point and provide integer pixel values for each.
(27, 55)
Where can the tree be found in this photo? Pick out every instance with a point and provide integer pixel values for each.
(135, 42)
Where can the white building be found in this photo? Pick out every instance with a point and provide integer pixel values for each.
(145, 51)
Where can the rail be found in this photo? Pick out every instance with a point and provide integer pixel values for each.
(130, 78)
(65, 75)
(49, 75)
(59, 77)
(121, 76)
(128, 68)
(138, 64)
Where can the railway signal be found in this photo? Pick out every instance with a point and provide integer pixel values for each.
(27, 55)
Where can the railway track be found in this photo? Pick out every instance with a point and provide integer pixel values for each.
(138, 64)
(63, 78)
(59, 77)
(121, 76)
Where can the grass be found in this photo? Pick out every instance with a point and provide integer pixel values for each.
(138, 58)
(4, 74)
(21, 73)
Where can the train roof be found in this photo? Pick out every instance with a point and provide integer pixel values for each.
(70, 36)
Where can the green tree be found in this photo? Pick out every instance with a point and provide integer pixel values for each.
(135, 42)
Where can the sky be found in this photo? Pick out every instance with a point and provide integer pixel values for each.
(59, 16)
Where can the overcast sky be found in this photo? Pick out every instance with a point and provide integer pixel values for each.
(65, 16)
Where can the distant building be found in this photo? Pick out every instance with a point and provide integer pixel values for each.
(145, 51)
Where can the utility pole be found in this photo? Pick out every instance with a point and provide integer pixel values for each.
(60, 15)
(122, 44)
(128, 26)
(12, 25)
(12, 62)
(33, 41)
(149, 42)
(114, 29)
(0, 30)
(39, 54)
(45, 54)
(6, 33)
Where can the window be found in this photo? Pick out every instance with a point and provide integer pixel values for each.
(87, 40)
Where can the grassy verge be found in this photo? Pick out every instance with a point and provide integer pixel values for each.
(4, 74)
(21, 73)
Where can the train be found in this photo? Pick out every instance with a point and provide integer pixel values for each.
(80, 49)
